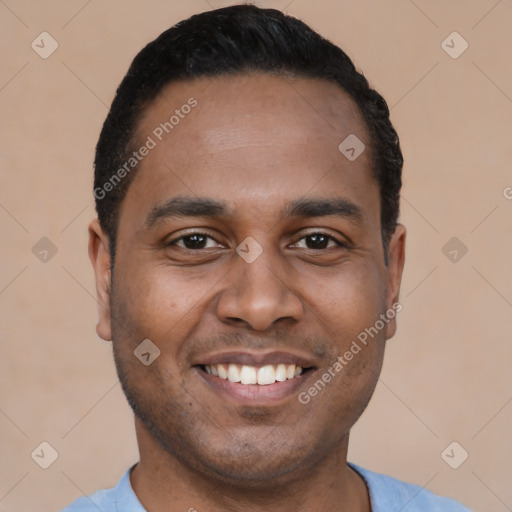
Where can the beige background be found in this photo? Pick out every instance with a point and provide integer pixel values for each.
(447, 374)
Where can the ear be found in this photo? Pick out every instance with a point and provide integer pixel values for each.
(99, 255)
(396, 260)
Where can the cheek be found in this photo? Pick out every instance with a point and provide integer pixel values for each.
(155, 304)
(348, 307)
(348, 302)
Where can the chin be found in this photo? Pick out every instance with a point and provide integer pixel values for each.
(236, 458)
(256, 458)
(255, 470)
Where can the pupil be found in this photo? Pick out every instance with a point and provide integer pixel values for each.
(194, 241)
(317, 241)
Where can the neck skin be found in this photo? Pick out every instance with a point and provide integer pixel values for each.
(161, 481)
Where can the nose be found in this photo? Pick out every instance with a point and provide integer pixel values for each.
(259, 295)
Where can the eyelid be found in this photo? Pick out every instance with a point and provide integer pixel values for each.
(190, 232)
(319, 231)
(204, 232)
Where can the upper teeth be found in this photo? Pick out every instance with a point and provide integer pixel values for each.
(261, 375)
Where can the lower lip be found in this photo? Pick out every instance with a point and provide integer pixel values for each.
(254, 393)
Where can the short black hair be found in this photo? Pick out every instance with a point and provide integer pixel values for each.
(238, 39)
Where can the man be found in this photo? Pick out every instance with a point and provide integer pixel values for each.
(248, 263)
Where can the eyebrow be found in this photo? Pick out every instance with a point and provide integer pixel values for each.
(338, 207)
(213, 208)
(186, 207)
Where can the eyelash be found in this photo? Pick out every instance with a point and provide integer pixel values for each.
(173, 242)
(207, 235)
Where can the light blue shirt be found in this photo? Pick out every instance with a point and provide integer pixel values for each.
(387, 494)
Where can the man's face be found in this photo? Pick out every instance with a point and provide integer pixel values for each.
(261, 153)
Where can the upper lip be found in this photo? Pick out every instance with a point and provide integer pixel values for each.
(255, 358)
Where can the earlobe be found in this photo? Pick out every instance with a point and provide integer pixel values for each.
(99, 254)
(395, 269)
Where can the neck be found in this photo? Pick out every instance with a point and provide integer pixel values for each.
(160, 480)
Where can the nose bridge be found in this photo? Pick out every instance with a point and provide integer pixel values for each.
(259, 291)
(263, 278)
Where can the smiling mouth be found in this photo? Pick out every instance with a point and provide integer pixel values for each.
(259, 375)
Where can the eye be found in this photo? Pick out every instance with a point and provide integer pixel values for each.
(317, 241)
(195, 241)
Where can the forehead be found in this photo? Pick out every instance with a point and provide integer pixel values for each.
(250, 139)
(232, 110)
